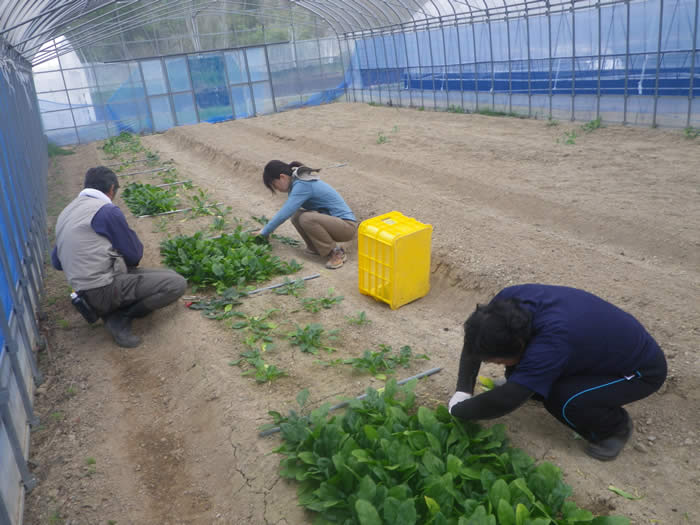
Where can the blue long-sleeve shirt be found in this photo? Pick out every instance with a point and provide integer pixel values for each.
(312, 195)
(109, 221)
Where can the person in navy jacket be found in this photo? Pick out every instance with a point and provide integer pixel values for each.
(582, 356)
(100, 254)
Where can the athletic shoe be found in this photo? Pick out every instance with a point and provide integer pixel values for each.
(609, 448)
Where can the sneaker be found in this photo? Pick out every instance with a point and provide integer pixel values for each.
(342, 253)
(119, 327)
(609, 448)
(335, 260)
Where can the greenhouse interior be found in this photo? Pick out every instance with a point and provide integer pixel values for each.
(75, 72)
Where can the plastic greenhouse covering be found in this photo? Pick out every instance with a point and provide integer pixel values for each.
(103, 67)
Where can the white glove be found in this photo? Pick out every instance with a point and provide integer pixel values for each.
(457, 398)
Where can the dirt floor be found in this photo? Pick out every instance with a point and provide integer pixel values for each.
(167, 433)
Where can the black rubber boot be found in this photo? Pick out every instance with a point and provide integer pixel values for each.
(609, 448)
(118, 324)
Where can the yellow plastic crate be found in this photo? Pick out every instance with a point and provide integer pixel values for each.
(394, 258)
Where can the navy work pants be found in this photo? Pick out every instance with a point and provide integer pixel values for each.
(592, 405)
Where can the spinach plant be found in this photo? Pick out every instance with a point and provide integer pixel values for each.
(258, 327)
(123, 143)
(290, 287)
(316, 304)
(145, 199)
(382, 361)
(387, 461)
(220, 306)
(257, 367)
(310, 338)
(359, 319)
(233, 259)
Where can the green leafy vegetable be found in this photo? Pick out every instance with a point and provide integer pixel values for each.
(231, 260)
(382, 361)
(387, 461)
(123, 143)
(316, 304)
(258, 368)
(221, 306)
(310, 338)
(145, 199)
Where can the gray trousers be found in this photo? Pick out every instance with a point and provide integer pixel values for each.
(141, 290)
(321, 232)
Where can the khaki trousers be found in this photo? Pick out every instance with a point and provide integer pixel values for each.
(141, 289)
(321, 232)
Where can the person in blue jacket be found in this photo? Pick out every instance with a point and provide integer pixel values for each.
(582, 356)
(317, 211)
(100, 255)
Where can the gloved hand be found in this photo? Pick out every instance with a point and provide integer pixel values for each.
(457, 398)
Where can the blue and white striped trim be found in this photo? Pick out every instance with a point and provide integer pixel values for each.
(636, 374)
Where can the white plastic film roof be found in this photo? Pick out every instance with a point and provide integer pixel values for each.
(26, 25)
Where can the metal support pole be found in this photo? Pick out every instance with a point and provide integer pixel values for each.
(27, 478)
(627, 62)
(376, 63)
(17, 305)
(13, 352)
(600, 58)
(573, 63)
(194, 95)
(4, 515)
(65, 88)
(529, 64)
(549, 59)
(658, 61)
(692, 64)
(459, 62)
(493, 71)
(228, 83)
(269, 79)
(510, 63)
(146, 95)
(250, 83)
(164, 69)
(476, 67)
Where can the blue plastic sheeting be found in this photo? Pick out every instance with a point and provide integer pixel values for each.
(153, 77)
(242, 101)
(178, 76)
(210, 87)
(235, 65)
(494, 56)
(23, 168)
(257, 64)
(672, 81)
(184, 109)
(162, 113)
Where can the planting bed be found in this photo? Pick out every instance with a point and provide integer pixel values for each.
(168, 432)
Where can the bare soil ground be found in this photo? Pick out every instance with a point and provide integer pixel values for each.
(167, 433)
